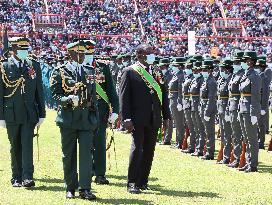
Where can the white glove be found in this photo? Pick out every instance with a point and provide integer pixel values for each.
(253, 120)
(41, 120)
(75, 99)
(263, 112)
(227, 118)
(113, 117)
(179, 106)
(3, 123)
(206, 118)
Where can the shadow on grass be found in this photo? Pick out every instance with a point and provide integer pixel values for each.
(125, 177)
(262, 168)
(125, 201)
(50, 180)
(48, 188)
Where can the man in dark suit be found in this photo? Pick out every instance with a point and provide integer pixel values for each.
(142, 101)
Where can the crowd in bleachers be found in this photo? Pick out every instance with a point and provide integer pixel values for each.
(110, 17)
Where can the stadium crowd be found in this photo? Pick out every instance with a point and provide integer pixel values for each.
(158, 19)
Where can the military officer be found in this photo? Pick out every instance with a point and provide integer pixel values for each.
(175, 90)
(226, 70)
(22, 107)
(196, 114)
(107, 98)
(186, 103)
(250, 108)
(167, 76)
(265, 74)
(232, 110)
(208, 93)
(73, 87)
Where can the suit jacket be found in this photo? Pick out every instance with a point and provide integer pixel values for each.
(266, 80)
(138, 103)
(83, 117)
(26, 105)
(251, 84)
(104, 78)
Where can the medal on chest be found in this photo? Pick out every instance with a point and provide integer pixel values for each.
(90, 79)
(31, 73)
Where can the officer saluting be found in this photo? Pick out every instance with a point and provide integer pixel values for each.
(22, 108)
(73, 87)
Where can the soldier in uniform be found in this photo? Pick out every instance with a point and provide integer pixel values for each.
(22, 107)
(167, 76)
(226, 70)
(186, 103)
(250, 108)
(73, 88)
(175, 93)
(233, 108)
(266, 75)
(208, 93)
(107, 98)
(196, 114)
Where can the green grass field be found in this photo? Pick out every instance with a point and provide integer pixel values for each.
(176, 178)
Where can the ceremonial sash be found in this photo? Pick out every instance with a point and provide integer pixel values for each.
(102, 93)
(149, 80)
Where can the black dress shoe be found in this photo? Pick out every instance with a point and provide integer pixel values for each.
(165, 143)
(243, 168)
(261, 146)
(145, 187)
(133, 189)
(188, 151)
(251, 169)
(101, 180)
(197, 154)
(70, 194)
(176, 146)
(234, 164)
(207, 157)
(28, 183)
(16, 183)
(86, 194)
(223, 161)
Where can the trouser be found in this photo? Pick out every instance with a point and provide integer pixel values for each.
(178, 117)
(262, 128)
(190, 124)
(141, 154)
(21, 140)
(100, 150)
(236, 135)
(199, 130)
(210, 134)
(225, 136)
(251, 139)
(168, 132)
(69, 140)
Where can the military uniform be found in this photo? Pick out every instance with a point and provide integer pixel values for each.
(222, 108)
(73, 87)
(208, 92)
(104, 79)
(21, 108)
(250, 107)
(175, 93)
(196, 114)
(266, 76)
(233, 110)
